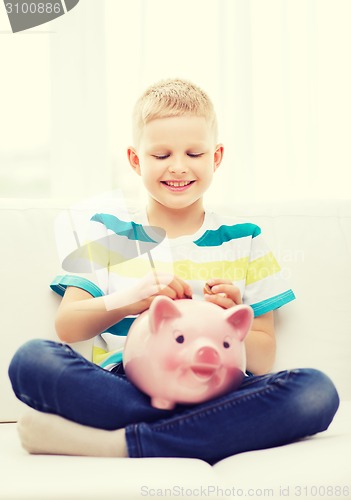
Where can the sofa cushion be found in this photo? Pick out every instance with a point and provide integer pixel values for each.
(312, 241)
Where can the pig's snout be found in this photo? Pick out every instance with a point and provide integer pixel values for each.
(207, 355)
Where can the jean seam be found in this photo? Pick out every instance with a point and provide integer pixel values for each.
(135, 448)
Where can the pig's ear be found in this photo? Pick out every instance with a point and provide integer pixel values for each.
(240, 317)
(162, 308)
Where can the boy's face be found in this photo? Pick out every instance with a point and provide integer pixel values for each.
(176, 159)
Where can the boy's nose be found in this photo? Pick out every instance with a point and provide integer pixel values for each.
(177, 167)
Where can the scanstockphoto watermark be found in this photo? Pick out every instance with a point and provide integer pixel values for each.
(25, 14)
(208, 491)
(317, 491)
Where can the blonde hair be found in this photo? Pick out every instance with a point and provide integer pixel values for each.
(172, 97)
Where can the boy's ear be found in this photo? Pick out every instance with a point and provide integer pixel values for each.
(134, 160)
(218, 155)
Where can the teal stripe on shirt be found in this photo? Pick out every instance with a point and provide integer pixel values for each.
(60, 284)
(130, 229)
(215, 237)
(272, 303)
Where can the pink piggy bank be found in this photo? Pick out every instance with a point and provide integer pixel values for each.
(186, 351)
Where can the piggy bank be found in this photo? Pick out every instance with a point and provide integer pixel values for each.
(186, 351)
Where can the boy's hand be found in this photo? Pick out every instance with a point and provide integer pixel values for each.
(222, 292)
(172, 287)
(155, 284)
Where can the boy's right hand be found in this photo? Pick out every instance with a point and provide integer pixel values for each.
(155, 284)
(139, 297)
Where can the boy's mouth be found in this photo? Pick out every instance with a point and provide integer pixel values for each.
(177, 185)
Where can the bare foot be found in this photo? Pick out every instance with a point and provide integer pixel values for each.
(44, 433)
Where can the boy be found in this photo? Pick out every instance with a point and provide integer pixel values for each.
(81, 409)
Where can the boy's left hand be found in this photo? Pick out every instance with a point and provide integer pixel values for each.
(223, 293)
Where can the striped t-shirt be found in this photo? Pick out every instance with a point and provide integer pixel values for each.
(221, 248)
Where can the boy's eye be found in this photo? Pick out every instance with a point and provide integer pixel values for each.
(160, 157)
(195, 155)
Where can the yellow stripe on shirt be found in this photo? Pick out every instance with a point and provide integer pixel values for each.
(261, 268)
(187, 269)
(203, 271)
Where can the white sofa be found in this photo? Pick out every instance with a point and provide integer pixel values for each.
(312, 240)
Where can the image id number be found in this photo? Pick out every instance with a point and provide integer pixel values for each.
(322, 491)
(33, 8)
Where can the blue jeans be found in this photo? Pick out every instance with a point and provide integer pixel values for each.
(266, 411)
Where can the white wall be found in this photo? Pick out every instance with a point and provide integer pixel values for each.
(277, 71)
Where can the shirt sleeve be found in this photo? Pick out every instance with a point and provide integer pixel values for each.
(84, 257)
(265, 289)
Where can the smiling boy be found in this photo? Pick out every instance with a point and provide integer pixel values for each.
(81, 409)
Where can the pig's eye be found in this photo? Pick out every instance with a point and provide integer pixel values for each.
(179, 337)
(227, 343)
